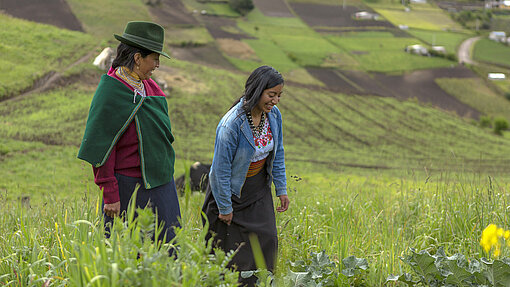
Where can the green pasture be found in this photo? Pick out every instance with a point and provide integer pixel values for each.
(221, 9)
(100, 18)
(424, 16)
(176, 36)
(300, 43)
(486, 50)
(30, 51)
(476, 94)
(450, 40)
(382, 52)
(330, 2)
(500, 23)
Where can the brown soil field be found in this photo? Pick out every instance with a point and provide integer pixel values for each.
(317, 15)
(206, 55)
(172, 12)
(53, 12)
(237, 49)
(214, 25)
(273, 8)
(418, 84)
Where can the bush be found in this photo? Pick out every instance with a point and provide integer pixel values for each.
(507, 96)
(241, 6)
(500, 124)
(485, 122)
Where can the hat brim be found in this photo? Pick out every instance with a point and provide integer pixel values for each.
(134, 44)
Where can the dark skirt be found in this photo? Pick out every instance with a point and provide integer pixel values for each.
(253, 214)
(163, 199)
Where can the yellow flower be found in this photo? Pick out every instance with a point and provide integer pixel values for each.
(507, 234)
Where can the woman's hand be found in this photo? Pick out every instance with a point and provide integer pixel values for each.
(284, 203)
(227, 218)
(112, 209)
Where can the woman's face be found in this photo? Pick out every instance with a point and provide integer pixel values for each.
(145, 66)
(270, 97)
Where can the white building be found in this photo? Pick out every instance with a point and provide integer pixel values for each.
(417, 49)
(496, 76)
(498, 36)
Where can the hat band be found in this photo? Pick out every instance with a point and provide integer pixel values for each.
(148, 43)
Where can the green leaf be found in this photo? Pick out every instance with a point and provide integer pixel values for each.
(404, 278)
(424, 266)
(353, 265)
(299, 279)
(501, 273)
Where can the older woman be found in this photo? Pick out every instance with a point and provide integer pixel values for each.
(248, 156)
(128, 137)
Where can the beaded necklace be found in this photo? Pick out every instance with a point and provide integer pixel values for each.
(132, 79)
(258, 129)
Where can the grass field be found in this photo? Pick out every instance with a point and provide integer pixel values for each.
(449, 40)
(382, 52)
(474, 93)
(421, 16)
(101, 22)
(27, 56)
(492, 52)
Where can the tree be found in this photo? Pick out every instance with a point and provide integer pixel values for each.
(241, 6)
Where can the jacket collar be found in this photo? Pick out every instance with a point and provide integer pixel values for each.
(245, 126)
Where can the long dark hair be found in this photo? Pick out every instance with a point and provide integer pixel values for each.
(126, 55)
(262, 78)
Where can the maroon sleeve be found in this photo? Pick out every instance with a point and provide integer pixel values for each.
(104, 177)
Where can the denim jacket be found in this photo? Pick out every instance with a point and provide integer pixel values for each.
(233, 150)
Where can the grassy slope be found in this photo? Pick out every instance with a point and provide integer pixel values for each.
(492, 52)
(27, 56)
(111, 16)
(421, 16)
(475, 93)
(382, 52)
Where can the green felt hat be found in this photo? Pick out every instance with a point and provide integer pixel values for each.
(145, 35)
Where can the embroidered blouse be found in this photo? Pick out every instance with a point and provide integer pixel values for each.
(264, 143)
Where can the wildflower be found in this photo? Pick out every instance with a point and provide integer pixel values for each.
(492, 237)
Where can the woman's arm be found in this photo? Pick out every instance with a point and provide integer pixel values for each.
(279, 173)
(104, 177)
(221, 169)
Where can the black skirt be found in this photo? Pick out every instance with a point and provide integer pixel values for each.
(253, 214)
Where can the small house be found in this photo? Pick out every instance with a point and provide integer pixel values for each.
(403, 27)
(498, 36)
(417, 49)
(439, 49)
(496, 76)
(364, 15)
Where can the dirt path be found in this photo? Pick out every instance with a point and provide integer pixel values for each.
(464, 54)
(44, 83)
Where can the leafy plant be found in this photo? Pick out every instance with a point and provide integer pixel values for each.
(500, 124)
(320, 271)
(456, 270)
(241, 6)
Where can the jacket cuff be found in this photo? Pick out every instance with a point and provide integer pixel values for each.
(225, 210)
(281, 191)
(110, 192)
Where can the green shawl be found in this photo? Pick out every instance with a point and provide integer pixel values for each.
(112, 110)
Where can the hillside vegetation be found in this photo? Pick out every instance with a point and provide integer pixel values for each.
(30, 52)
(368, 176)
